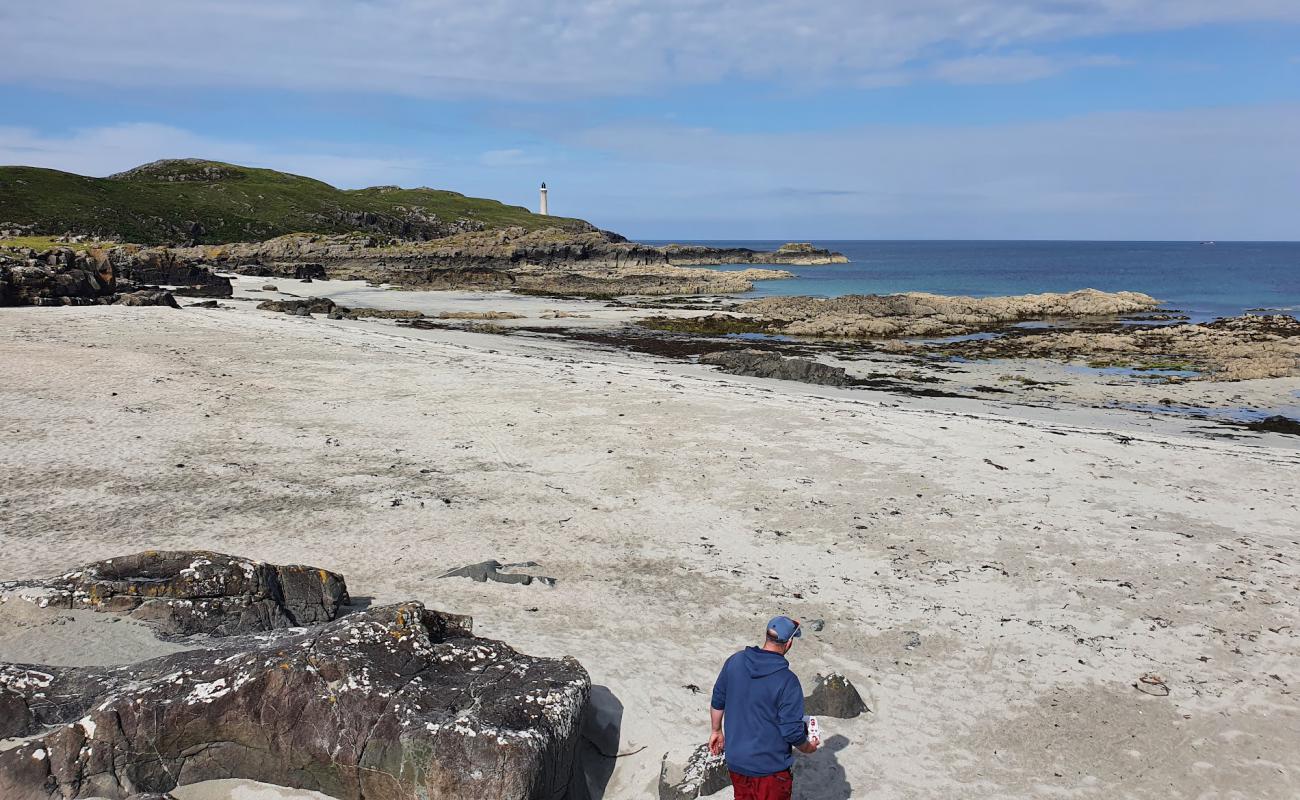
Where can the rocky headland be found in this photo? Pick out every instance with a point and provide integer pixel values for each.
(546, 261)
(192, 217)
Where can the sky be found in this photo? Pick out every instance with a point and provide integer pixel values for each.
(701, 119)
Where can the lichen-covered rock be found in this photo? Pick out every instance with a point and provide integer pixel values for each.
(760, 364)
(392, 703)
(193, 591)
(703, 774)
(834, 696)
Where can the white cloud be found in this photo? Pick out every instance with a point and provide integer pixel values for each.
(561, 48)
(1199, 174)
(1013, 67)
(510, 157)
(113, 148)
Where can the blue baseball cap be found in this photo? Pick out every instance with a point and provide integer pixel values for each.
(783, 629)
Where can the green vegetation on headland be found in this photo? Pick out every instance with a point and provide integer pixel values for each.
(214, 202)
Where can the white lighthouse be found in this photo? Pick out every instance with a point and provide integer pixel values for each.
(542, 207)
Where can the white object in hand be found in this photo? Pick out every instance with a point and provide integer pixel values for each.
(814, 730)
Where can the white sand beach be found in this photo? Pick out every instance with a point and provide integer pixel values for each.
(996, 580)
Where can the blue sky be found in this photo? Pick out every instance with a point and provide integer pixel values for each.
(1134, 119)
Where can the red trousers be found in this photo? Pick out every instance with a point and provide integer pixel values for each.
(768, 787)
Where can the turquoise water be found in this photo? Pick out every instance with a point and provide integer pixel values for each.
(1204, 280)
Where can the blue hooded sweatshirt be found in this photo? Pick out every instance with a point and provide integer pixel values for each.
(763, 702)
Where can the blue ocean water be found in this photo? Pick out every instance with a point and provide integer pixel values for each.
(1204, 280)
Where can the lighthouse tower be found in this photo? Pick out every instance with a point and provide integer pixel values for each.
(543, 210)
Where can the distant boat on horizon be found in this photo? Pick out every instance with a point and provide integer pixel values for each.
(1209, 242)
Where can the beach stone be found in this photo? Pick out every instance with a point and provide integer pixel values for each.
(834, 695)
(761, 364)
(391, 703)
(270, 287)
(193, 591)
(703, 774)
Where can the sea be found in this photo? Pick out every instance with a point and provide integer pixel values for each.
(1202, 279)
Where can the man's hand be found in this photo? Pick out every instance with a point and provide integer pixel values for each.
(809, 746)
(716, 742)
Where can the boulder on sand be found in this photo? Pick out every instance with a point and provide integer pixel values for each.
(703, 774)
(392, 703)
(834, 696)
(193, 591)
(312, 305)
(760, 364)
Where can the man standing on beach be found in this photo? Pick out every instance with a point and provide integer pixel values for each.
(762, 703)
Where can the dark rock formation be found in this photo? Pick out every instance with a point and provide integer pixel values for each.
(495, 571)
(392, 703)
(789, 254)
(54, 277)
(1276, 424)
(702, 775)
(311, 305)
(760, 364)
(193, 591)
(834, 696)
(162, 266)
(64, 277)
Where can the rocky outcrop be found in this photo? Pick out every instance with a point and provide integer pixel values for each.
(923, 314)
(312, 305)
(162, 266)
(1233, 349)
(550, 260)
(66, 277)
(193, 591)
(392, 703)
(789, 254)
(762, 364)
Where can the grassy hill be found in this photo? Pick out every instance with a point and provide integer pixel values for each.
(210, 201)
